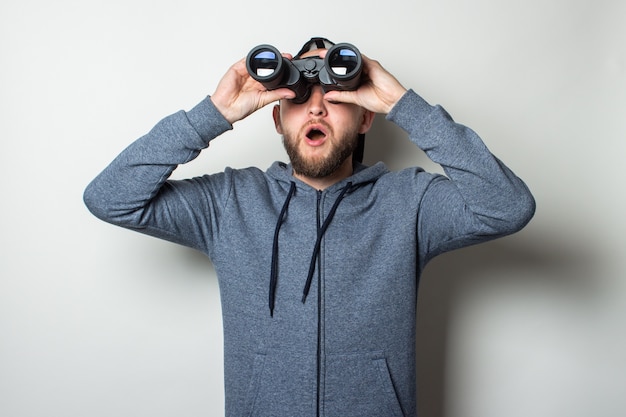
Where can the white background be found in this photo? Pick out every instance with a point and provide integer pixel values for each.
(99, 321)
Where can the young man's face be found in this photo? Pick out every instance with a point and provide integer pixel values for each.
(320, 136)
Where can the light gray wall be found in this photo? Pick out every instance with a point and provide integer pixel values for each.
(98, 321)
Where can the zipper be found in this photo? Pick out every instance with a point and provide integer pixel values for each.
(319, 216)
(322, 225)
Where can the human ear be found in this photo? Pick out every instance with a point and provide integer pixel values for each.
(366, 122)
(276, 117)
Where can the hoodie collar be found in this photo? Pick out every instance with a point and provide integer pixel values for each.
(362, 174)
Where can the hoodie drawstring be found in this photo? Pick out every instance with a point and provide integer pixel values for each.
(316, 249)
(318, 242)
(274, 271)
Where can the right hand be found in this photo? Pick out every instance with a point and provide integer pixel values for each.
(238, 95)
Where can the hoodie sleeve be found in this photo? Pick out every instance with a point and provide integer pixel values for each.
(134, 191)
(478, 199)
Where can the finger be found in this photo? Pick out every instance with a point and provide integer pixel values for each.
(240, 66)
(338, 96)
(278, 94)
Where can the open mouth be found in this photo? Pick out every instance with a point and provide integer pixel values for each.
(316, 134)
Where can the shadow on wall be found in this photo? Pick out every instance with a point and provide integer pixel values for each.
(388, 143)
(533, 261)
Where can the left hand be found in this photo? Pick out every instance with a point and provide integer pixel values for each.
(379, 90)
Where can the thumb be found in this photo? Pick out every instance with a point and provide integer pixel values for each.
(339, 96)
(280, 94)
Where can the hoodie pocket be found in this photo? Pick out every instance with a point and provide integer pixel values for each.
(359, 385)
(283, 383)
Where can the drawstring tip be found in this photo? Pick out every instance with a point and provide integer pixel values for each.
(303, 298)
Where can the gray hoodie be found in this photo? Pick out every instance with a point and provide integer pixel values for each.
(318, 288)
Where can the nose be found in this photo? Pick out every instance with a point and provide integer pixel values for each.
(316, 103)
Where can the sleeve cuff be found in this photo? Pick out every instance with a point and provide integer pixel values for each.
(410, 111)
(208, 122)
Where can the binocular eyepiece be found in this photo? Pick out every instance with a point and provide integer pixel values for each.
(339, 70)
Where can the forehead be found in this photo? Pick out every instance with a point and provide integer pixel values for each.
(315, 52)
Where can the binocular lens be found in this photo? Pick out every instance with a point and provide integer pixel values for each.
(264, 62)
(343, 62)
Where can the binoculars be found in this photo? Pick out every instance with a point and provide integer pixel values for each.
(339, 70)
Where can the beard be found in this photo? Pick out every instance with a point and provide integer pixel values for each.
(320, 166)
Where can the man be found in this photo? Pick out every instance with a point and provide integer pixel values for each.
(318, 260)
